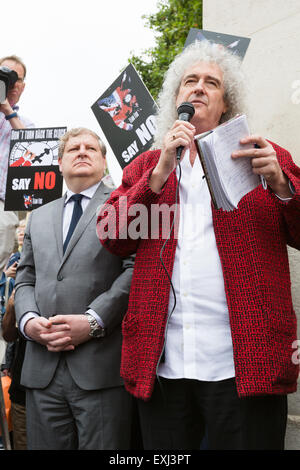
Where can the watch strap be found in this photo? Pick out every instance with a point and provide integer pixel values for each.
(12, 115)
(96, 331)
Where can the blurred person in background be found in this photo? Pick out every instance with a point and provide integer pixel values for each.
(15, 348)
(9, 119)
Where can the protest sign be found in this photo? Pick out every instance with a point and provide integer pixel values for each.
(126, 114)
(237, 44)
(33, 176)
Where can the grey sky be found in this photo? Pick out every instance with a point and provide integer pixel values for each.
(73, 51)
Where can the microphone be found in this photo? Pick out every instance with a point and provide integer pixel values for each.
(185, 113)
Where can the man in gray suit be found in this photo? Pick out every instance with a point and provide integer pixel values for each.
(71, 296)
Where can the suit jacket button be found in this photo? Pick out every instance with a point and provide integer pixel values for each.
(59, 277)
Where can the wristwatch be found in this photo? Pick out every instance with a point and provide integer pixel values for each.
(96, 330)
(10, 116)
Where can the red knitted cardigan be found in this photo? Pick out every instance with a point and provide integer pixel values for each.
(252, 244)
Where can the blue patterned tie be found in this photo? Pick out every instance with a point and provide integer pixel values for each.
(77, 213)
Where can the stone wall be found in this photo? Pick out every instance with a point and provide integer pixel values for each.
(272, 67)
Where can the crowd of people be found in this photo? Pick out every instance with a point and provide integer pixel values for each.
(177, 342)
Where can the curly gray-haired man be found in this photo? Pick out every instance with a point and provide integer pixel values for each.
(219, 360)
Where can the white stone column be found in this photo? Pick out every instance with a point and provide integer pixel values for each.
(272, 67)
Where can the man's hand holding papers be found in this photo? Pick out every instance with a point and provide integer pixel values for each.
(264, 163)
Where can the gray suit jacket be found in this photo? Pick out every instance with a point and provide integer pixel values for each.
(86, 276)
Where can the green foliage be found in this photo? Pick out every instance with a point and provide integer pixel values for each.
(171, 23)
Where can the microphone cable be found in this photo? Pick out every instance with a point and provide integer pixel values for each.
(168, 276)
(185, 113)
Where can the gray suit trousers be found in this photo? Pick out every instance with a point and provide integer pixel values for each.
(65, 417)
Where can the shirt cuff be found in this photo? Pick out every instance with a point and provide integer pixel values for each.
(96, 316)
(263, 182)
(284, 199)
(23, 322)
(292, 189)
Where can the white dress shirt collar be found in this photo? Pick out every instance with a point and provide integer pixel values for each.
(89, 192)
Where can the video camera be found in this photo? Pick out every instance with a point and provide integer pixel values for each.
(8, 78)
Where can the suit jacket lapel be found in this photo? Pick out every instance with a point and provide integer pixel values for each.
(57, 217)
(99, 198)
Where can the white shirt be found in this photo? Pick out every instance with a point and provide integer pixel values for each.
(198, 336)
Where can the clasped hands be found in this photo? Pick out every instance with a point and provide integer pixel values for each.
(60, 332)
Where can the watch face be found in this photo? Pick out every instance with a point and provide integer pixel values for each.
(96, 330)
(100, 333)
(97, 333)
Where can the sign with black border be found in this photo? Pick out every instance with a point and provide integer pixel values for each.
(33, 177)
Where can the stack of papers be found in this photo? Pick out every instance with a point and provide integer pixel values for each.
(228, 179)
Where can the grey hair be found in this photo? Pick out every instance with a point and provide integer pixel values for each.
(199, 51)
(74, 133)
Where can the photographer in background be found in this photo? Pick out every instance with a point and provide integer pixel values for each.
(9, 119)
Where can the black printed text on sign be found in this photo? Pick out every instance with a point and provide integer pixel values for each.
(33, 177)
